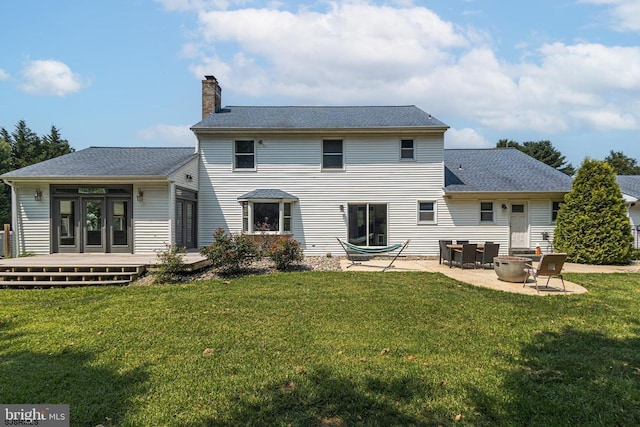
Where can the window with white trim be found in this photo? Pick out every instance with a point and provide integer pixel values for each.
(332, 157)
(407, 150)
(486, 212)
(244, 155)
(273, 217)
(555, 208)
(426, 212)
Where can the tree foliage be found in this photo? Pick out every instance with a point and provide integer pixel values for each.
(621, 164)
(21, 148)
(592, 225)
(543, 151)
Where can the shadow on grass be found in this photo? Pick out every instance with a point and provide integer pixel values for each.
(95, 394)
(570, 378)
(321, 398)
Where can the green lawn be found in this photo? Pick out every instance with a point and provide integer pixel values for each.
(332, 349)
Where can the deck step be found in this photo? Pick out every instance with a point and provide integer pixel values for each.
(68, 275)
(59, 283)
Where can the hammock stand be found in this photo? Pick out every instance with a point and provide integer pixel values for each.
(349, 249)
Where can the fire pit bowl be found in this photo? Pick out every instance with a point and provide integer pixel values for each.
(511, 268)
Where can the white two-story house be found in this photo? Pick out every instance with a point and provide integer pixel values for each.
(372, 175)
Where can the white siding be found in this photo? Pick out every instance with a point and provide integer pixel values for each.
(179, 177)
(151, 223)
(634, 217)
(373, 173)
(34, 223)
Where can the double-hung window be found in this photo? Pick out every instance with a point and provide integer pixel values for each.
(407, 150)
(332, 157)
(555, 208)
(244, 155)
(426, 212)
(486, 212)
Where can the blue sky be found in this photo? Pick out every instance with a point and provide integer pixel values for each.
(127, 72)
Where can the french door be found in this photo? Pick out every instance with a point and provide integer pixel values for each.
(367, 224)
(91, 222)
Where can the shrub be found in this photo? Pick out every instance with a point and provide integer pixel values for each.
(592, 225)
(230, 253)
(170, 264)
(284, 252)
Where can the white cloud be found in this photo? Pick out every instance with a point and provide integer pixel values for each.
(4, 75)
(169, 134)
(464, 138)
(51, 77)
(364, 53)
(625, 14)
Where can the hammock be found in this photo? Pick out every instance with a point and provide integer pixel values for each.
(349, 249)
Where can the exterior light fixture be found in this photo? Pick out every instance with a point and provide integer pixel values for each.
(37, 195)
(140, 195)
(504, 207)
(188, 177)
(341, 208)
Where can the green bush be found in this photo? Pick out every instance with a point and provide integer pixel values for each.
(170, 264)
(592, 225)
(230, 253)
(284, 252)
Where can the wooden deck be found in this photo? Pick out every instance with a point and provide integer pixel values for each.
(83, 269)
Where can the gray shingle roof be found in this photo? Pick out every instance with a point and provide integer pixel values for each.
(629, 184)
(109, 161)
(364, 117)
(264, 193)
(500, 170)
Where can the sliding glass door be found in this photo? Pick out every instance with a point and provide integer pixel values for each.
(368, 224)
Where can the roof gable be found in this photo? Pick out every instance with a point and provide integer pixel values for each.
(301, 117)
(109, 162)
(500, 170)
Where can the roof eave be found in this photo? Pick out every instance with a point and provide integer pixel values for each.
(315, 131)
(474, 195)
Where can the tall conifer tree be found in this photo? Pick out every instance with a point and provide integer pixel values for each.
(592, 225)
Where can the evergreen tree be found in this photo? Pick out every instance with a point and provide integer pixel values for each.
(26, 146)
(622, 164)
(21, 148)
(592, 225)
(5, 190)
(543, 151)
(53, 145)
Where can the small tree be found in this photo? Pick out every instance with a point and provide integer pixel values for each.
(230, 253)
(284, 252)
(170, 264)
(592, 225)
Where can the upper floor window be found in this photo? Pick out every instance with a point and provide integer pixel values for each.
(407, 150)
(426, 212)
(244, 155)
(555, 208)
(332, 154)
(486, 211)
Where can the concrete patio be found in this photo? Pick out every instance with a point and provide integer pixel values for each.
(487, 278)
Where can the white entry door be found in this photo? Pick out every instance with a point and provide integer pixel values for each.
(519, 225)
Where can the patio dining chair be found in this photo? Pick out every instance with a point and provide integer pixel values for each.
(550, 265)
(445, 252)
(487, 255)
(467, 255)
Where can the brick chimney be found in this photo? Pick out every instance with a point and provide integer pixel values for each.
(211, 96)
